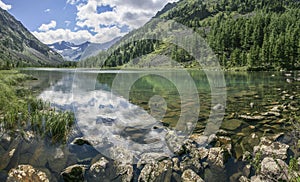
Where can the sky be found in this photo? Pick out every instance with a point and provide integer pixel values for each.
(79, 21)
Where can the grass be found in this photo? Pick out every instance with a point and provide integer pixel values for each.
(20, 111)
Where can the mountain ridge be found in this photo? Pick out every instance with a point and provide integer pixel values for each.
(21, 48)
(77, 52)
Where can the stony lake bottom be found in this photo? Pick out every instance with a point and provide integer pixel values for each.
(258, 104)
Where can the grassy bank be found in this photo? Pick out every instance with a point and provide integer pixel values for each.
(21, 112)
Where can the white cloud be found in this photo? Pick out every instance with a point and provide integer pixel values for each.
(77, 37)
(5, 6)
(46, 27)
(133, 13)
(47, 10)
(67, 23)
(72, 2)
(129, 13)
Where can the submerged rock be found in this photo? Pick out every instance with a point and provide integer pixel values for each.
(80, 142)
(268, 148)
(99, 166)
(232, 124)
(190, 176)
(251, 118)
(74, 173)
(24, 173)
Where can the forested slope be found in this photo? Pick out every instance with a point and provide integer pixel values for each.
(252, 34)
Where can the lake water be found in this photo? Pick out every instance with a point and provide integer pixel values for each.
(136, 110)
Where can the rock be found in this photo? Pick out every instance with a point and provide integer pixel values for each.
(232, 124)
(203, 152)
(275, 109)
(8, 154)
(235, 177)
(218, 107)
(155, 171)
(149, 158)
(190, 176)
(216, 156)
(246, 156)
(188, 162)
(123, 162)
(271, 113)
(25, 173)
(59, 154)
(268, 148)
(125, 170)
(74, 173)
(247, 170)
(251, 118)
(176, 162)
(244, 179)
(57, 161)
(271, 169)
(80, 142)
(100, 166)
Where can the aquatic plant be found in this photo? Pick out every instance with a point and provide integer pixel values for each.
(20, 111)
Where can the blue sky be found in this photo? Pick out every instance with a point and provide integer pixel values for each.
(78, 21)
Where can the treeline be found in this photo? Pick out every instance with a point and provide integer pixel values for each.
(261, 41)
(255, 34)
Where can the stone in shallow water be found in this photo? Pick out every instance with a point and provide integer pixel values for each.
(216, 156)
(271, 149)
(25, 173)
(80, 142)
(155, 171)
(271, 169)
(232, 124)
(74, 173)
(251, 118)
(190, 176)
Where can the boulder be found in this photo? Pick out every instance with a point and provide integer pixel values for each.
(271, 169)
(99, 166)
(25, 173)
(190, 176)
(156, 171)
(268, 148)
(216, 156)
(74, 173)
(123, 162)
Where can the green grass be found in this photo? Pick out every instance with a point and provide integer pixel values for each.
(20, 111)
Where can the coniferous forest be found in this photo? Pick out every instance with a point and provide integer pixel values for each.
(252, 35)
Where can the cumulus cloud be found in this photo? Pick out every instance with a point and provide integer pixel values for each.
(5, 6)
(133, 13)
(46, 27)
(92, 25)
(57, 35)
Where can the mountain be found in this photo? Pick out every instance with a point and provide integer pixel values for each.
(73, 52)
(18, 47)
(248, 35)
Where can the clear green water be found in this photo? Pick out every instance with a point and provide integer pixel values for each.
(247, 94)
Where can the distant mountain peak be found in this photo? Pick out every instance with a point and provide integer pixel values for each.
(77, 52)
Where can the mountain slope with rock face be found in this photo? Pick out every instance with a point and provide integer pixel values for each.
(19, 48)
